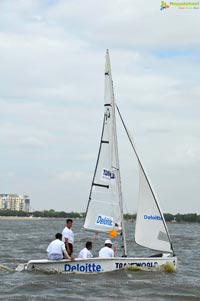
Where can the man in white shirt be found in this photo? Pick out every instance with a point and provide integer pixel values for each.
(107, 251)
(85, 253)
(56, 249)
(68, 236)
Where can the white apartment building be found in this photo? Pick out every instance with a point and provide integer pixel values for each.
(14, 202)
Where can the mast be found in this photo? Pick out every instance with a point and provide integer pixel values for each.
(111, 102)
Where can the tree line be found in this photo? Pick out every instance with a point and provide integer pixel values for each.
(44, 213)
(179, 218)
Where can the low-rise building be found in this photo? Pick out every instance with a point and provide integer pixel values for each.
(14, 202)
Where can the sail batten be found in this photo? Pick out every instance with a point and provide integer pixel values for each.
(100, 185)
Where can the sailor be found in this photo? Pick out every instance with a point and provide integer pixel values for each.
(68, 236)
(85, 253)
(107, 251)
(56, 249)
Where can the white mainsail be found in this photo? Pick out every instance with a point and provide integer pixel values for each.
(104, 211)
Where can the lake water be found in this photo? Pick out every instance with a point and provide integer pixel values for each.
(22, 240)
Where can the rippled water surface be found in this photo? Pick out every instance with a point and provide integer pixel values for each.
(22, 240)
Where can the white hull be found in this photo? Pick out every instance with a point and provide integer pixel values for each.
(101, 265)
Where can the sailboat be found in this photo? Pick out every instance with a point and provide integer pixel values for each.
(104, 211)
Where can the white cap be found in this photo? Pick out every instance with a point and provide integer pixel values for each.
(108, 241)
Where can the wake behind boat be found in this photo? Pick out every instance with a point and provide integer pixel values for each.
(104, 211)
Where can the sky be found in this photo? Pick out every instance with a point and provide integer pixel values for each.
(52, 59)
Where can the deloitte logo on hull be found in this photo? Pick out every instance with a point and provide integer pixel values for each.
(84, 268)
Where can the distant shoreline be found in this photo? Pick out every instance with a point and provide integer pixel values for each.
(52, 214)
(29, 218)
(63, 218)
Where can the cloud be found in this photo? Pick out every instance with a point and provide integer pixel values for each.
(68, 176)
(52, 93)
